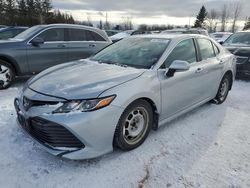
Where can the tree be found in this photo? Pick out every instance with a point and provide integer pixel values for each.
(10, 12)
(31, 13)
(127, 23)
(201, 17)
(224, 17)
(39, 11)
(46, 10)
(247, 24)
(2, 11)
(22, 12)
(212, 19)
(236, 13)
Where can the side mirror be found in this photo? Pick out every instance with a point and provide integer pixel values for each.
(37, 41)
(177, 66)
(221, 42)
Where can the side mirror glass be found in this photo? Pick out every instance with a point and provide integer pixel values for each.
(37, 41)
(177, 66)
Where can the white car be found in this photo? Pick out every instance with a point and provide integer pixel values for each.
(84, 109)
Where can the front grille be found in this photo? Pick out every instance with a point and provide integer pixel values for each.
(27, 103)
(242, 59)
(52, 134)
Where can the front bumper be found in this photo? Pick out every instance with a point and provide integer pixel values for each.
(74, 136)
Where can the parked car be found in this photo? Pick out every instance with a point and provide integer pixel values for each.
(83, 109)
(112, 32)
(239, 45)
(220, 36)
(128, 33)
(10, 32)
(43, 46)
(186, 31)
(2, 26)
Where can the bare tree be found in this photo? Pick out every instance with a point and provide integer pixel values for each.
(225, 15)
(212, 19)
(127, 23)
(237, 9)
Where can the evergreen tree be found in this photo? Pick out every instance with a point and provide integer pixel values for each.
(46, 9)
(22, 12)
(31, 13)
(2, 12)
(10, 12)
(201, 17)
(247, 24)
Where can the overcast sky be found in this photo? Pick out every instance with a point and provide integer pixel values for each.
(143, 11)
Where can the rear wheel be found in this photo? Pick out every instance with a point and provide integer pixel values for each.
(6, 75)
(223, 90)
(134, 125)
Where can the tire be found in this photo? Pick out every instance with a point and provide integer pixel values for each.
(134, 125)
(6, 75)
(223, 89)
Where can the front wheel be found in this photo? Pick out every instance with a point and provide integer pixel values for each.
(223, 90)
(134, 125)
(6, 75)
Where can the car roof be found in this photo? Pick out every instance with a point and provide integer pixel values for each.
(170, 36)
(246, 31)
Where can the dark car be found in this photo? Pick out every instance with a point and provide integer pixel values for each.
(44, 46)
(10, 32)
(2, 26)
(112, 32)
(239, 45)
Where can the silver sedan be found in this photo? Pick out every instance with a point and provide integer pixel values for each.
(83, 109)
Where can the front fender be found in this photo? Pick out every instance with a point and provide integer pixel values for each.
(146, 86)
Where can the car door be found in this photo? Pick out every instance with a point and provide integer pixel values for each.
(184, 89)
(84, 43)
(53, 51)
(212, 66)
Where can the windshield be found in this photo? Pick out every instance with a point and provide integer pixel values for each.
(28, 33)
(134, 52)
(239, 39)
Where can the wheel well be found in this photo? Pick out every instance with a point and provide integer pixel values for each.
(230, 74)
(3, 58)
(155, 111)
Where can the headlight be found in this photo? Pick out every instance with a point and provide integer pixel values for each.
(84, 105)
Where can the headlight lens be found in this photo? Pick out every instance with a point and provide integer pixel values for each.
(84, 105)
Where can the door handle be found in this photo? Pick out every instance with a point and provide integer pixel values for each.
(221, 62)
(92, 45)
(199, 70)
(62, 46)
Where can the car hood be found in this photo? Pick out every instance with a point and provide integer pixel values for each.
(239, 50)
(83, 79)
(4, 44)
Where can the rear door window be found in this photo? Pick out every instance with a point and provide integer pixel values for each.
(206, 48)
(84, 35)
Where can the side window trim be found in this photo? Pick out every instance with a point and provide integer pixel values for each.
(199, 58)
(196, 50)
(215, 46)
